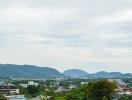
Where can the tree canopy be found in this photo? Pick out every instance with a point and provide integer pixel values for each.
(98, 90)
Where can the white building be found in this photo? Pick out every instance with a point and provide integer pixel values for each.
(32, 83)
(84, 83)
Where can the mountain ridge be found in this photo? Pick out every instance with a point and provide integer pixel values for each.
(100, 74)
(27, 71)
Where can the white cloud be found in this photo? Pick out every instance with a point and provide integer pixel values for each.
(82, 33)
(115, 18)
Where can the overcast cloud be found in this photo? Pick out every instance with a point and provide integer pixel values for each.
(93, 35)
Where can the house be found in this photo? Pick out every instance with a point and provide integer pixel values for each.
(8, 88)
(123, 90)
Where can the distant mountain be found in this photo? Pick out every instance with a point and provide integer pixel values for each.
(8, 70)
(127, 75)
(32, 71)
(75, 73)
(107, 74)
(101, 74)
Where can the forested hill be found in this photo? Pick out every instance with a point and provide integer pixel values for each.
(75, 73)
(12, 70)
(102, 74)
(27, 71)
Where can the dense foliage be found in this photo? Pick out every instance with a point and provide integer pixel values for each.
(99, 90)
(125, 98)
(2, 97)
(30, 91)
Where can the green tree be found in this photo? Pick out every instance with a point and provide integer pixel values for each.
(77, 94)
(97, 90)
(33, 90)
(101, 90)
(125, 98)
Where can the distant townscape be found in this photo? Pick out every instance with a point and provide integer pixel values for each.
(29, 82)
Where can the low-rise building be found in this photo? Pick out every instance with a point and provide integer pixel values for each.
(122, 88)
(8, 88)
(32, 83)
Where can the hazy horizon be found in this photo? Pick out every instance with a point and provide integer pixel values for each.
(67, 34)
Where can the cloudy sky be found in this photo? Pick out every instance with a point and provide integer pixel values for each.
(92, 35)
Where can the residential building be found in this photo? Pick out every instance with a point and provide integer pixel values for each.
(8, 88)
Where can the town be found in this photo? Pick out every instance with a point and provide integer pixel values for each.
(55, 89)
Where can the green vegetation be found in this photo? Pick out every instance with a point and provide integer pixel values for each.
(99, 90)
(33, 90)
(28, 71)
(96, 89)
(30, 91)
(125, 98)
(2, 97)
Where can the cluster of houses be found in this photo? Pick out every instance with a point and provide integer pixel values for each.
(122, 87)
